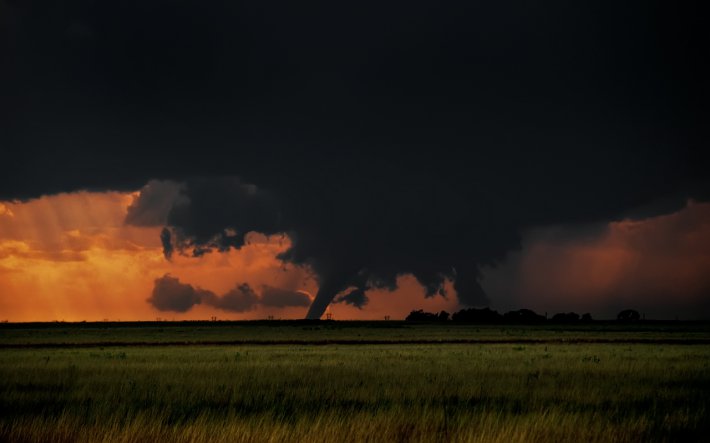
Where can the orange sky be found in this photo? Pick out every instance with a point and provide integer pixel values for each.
(71, 257)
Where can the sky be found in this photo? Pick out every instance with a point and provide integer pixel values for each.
(254, 159)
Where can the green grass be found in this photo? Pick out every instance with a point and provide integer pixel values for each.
(195, 332)
(459, 392)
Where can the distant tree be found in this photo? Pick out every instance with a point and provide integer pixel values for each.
(443, 316)
(587, 317)
(473, 315)
(569, 317)
(523, 316)
(414, 315)
(629, 315)
(420, 315)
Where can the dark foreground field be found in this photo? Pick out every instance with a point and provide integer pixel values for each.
(314, 382)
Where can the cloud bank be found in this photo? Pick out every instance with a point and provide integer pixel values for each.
(169, 294)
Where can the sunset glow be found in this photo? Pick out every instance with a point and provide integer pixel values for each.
(71, 257)
(659, 264)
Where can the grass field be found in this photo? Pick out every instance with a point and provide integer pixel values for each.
(507, 391)
(303, 332)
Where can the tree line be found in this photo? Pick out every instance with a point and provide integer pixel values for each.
(488, 316)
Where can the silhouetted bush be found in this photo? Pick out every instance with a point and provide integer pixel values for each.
(523, 316)
(569, 317)
(472, 315)
(629, 315)
(420, 315)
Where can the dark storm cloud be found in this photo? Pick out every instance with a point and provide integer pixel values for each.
(169, 294)
(355, 297)
(278, 297)
(383, 138)
(240, 299)
(205, 213)
(219, 212)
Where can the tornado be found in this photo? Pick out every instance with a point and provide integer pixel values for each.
(326, 293)
(320, 303)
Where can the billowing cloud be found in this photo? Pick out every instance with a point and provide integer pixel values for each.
(171, 295)
(240, 299)
(205, 205)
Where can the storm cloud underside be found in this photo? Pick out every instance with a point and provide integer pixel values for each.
(420, 139)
